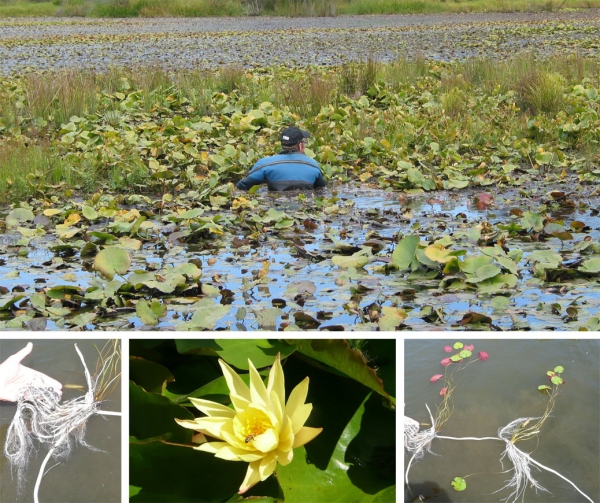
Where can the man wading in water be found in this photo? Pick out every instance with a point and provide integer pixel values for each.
(291, 169)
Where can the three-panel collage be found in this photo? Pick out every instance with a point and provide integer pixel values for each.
(299, 251)
(180, 419)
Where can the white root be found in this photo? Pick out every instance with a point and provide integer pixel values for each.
(420, 442)
(41, 417)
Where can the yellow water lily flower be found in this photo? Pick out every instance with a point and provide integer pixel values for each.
(262, 428)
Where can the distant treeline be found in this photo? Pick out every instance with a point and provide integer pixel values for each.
(289, 8)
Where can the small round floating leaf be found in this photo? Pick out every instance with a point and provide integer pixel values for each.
(458, 345)
(456, 358)
(559, 369)
(550, 373)
(111, 261)
(459, 484)
(544, 387)
(465, 353)
(557, 380)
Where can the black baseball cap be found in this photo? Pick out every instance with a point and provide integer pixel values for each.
(292, 136)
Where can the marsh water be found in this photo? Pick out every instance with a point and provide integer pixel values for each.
(495, 392)
(99, 44)
(302, 274)
(91, 476)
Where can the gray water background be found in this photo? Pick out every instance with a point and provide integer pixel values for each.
(491, 395)
(90, 476)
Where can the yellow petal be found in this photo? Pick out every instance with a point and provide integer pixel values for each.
(239, 403)
(276, 382)
(267, 441)
(305, 435)
(234, 381)
(286, 436)
(267, 465)
(212, 447)
(297, 398)
(258, 392)
(188, 423)
(212, 408)
(214, 426)
(251, 478)
(285, 458)
(300, 416)
(231, 453)
(276, 407)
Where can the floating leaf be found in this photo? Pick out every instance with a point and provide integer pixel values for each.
(404, 253)
(458, 345)
(150, 312)
(111, 261)
(445, 362)
(459, 484)
(559, 369)
(556, 380)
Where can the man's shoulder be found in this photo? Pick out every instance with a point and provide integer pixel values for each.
(286, 158)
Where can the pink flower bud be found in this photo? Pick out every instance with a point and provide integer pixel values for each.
(483, 356)
(436, 377)
(445, 362)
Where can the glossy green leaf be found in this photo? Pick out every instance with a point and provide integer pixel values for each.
(337, 354)
(236, 352)
(342, 480)
(151, 415)
(151, 376)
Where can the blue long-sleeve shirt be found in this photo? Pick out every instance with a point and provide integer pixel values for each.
(285, 171)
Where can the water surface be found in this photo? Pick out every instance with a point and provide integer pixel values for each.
(491, 395)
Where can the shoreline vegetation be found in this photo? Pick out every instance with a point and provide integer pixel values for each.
(284, 8)
(406, 125)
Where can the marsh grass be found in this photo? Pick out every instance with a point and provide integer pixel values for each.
(287, 8)
(35, 107)
(64, 95)
(31, 170)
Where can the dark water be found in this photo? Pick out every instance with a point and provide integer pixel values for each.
(491, 395)
(90, 476)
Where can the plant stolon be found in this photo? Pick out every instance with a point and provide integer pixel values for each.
(525, 428)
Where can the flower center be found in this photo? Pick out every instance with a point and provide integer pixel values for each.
(250, 423)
